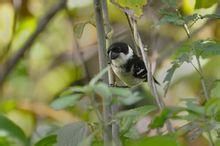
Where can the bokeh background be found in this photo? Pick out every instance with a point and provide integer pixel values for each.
(63, 55)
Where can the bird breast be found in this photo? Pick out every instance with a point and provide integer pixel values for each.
(126, 77)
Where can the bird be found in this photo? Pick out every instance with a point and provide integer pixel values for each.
(127, 66)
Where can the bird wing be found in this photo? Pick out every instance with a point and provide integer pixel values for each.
(139, 69)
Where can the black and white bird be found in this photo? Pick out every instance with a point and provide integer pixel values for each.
(128, 67)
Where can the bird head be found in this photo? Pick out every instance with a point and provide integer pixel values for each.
(119, 53)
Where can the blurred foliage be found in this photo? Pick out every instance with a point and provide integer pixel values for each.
(133, 8)
(57, 73)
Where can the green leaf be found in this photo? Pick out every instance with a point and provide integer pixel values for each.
(102, 90)
(207, 48)
(204, 3)
(72, 134)
(217, 116)
(73, 90)
(7, 105)
(217, 143)
(65, 101)
(195, 108)
(212, 16)
(184, 57)
(129, 117)
(123, 92)
(47, 141)
(4, 141)
(215, 92)
(129, 100)
(125, 96)
(126, 124)
(88, 140)
(153, 141)
(160, 120)
(170, 72)
(12, 129)
(97, 143)
(132, 132)
(136, 112)
(79, 27)
(132, 7)
(171, 3)
(190, 18)
(171, 17)
(212, 108)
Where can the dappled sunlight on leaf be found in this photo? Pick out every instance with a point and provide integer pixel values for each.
(23, 32)
(131, 7)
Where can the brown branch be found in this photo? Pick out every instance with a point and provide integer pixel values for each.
(13, 61)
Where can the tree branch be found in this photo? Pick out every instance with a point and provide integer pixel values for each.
(102, 64)
(114, 107)
(12, 62)
(137, 51)
(147, 63)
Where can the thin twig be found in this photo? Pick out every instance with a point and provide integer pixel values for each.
(147, 63)
(200, 71)
(107, 134)
(11, 62)
(195, 68)
(136, 50)
(199, 67)
(187, 30)
(184, 25)
(202, 79)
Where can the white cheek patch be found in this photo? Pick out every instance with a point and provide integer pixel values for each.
(123, 58)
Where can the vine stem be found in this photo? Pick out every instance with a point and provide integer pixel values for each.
(132, 32)
(147, 63)
(107, 132)
(200, 72)
(199, 69)
(202, 79)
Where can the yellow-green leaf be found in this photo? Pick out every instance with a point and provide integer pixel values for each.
(132, 7)
(204, 3)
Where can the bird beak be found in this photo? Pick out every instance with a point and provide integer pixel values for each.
(113, 55)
